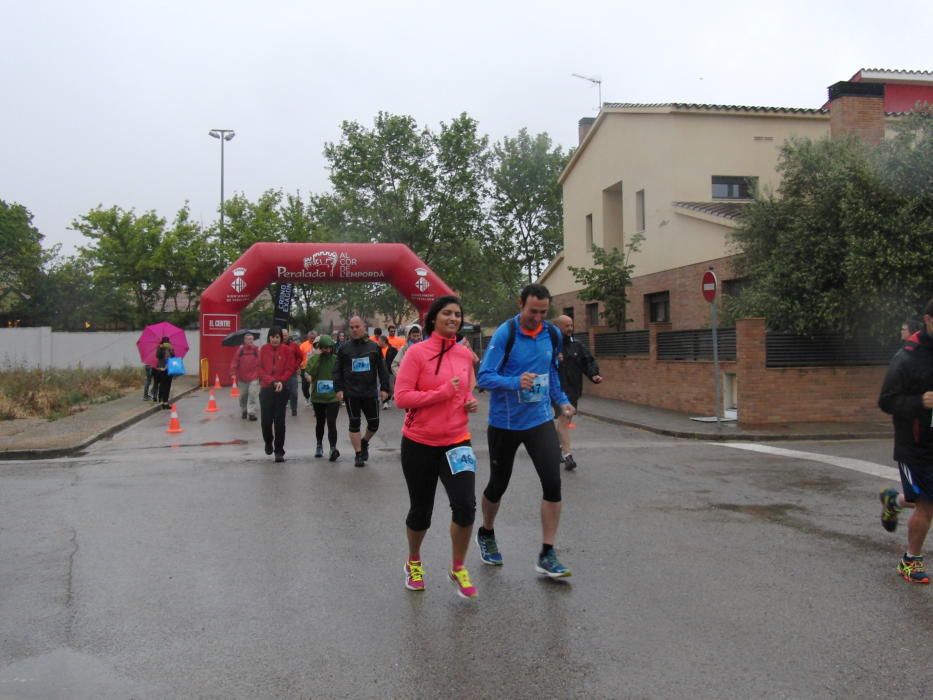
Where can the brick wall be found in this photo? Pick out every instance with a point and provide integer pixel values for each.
(765, 396)
(687, 308)
(858, 115)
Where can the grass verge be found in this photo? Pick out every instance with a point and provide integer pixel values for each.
(55, 393)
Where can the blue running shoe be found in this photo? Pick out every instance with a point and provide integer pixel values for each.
(488, 549)
(550, 565)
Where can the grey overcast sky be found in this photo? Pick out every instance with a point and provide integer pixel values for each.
(109, 102)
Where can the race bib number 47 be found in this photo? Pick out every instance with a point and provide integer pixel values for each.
(537, 392)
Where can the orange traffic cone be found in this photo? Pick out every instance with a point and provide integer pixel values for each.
(217, 381)
(211, 403)
(174, 425)
(234, 390)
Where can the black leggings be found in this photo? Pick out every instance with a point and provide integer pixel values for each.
(542, 446)
(162, 385)
(328, 412)
(357, 408)
(272, 407)
(422, 466)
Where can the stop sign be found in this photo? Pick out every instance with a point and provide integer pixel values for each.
(709, 286)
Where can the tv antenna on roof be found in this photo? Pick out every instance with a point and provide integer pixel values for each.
(597, 82)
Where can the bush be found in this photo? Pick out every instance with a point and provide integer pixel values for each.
(55, 393)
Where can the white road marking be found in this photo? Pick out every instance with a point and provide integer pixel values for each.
(858, 465)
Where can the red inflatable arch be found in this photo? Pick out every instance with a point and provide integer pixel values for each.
(306, 263)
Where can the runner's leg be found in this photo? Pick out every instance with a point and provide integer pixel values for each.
(502, 447)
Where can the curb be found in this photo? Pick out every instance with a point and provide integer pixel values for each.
(745, 437)
(87, 442)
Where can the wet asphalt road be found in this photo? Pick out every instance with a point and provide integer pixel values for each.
(193, 567)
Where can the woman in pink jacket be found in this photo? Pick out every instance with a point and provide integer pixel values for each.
(435, 384)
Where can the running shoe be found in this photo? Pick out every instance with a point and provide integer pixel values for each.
(414, 576)
(359, 461)
(550, 565)
(268, 448)
(334, 454)
(911, 568)
(280, 458)
(319, 451)
(461, 580)
(243, 415)
(569, 463)
(364, 450)
(889, 509)
(488, 549)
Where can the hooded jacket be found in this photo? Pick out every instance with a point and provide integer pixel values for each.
(510, 407)
(575, 361)
(359, 365)
(276, 364)
(436, 415)
(909, 375)
(320, 369)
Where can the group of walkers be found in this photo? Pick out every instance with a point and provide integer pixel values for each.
(532, 370)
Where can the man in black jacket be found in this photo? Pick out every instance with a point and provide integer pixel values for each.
(907, 394)
(575, 361)
(360, 377)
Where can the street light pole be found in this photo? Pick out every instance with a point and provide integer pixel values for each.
(223, 135)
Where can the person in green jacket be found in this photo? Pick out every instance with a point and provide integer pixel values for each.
(320, 368)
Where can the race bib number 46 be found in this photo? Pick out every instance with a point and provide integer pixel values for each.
(461, 459)
(360, 364)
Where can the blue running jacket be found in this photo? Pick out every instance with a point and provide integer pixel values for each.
(510, 407)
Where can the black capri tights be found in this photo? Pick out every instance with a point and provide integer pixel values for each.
(422, 466)
(326, 412)
(542, 446)
(357, 408)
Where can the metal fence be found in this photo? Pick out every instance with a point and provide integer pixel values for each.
(696, 345)
(583, 339)
(789, 350)
(622, 344)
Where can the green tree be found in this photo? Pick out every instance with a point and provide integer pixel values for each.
(846, 244)
(400, 183)
(21, 257)
(125, 255)
(527, 206)
(608, 280)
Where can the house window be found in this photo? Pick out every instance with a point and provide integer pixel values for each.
(592, 314)
(568, 311)
(640, 210)
(659, 307)
(733, 288)
(730, 187)
(589, 232)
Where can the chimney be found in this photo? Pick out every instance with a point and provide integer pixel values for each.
(584, 127)
(857, 109)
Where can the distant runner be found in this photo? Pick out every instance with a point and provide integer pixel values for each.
(575, 361)
(907, 394)
(358, 375)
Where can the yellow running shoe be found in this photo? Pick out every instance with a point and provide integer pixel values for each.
(414, 576)
(461, 580)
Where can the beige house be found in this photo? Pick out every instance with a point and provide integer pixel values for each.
(679, 174)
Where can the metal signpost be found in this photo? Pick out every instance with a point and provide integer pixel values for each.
(709, 286)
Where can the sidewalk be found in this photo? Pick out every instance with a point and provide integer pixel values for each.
(36, 438)
(664, 422)
(40, 439)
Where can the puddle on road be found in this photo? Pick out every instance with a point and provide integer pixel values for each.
(213, 443)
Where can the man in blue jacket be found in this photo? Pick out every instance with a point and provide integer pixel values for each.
(519, 369)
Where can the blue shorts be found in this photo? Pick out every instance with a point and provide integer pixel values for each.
(917, 482)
